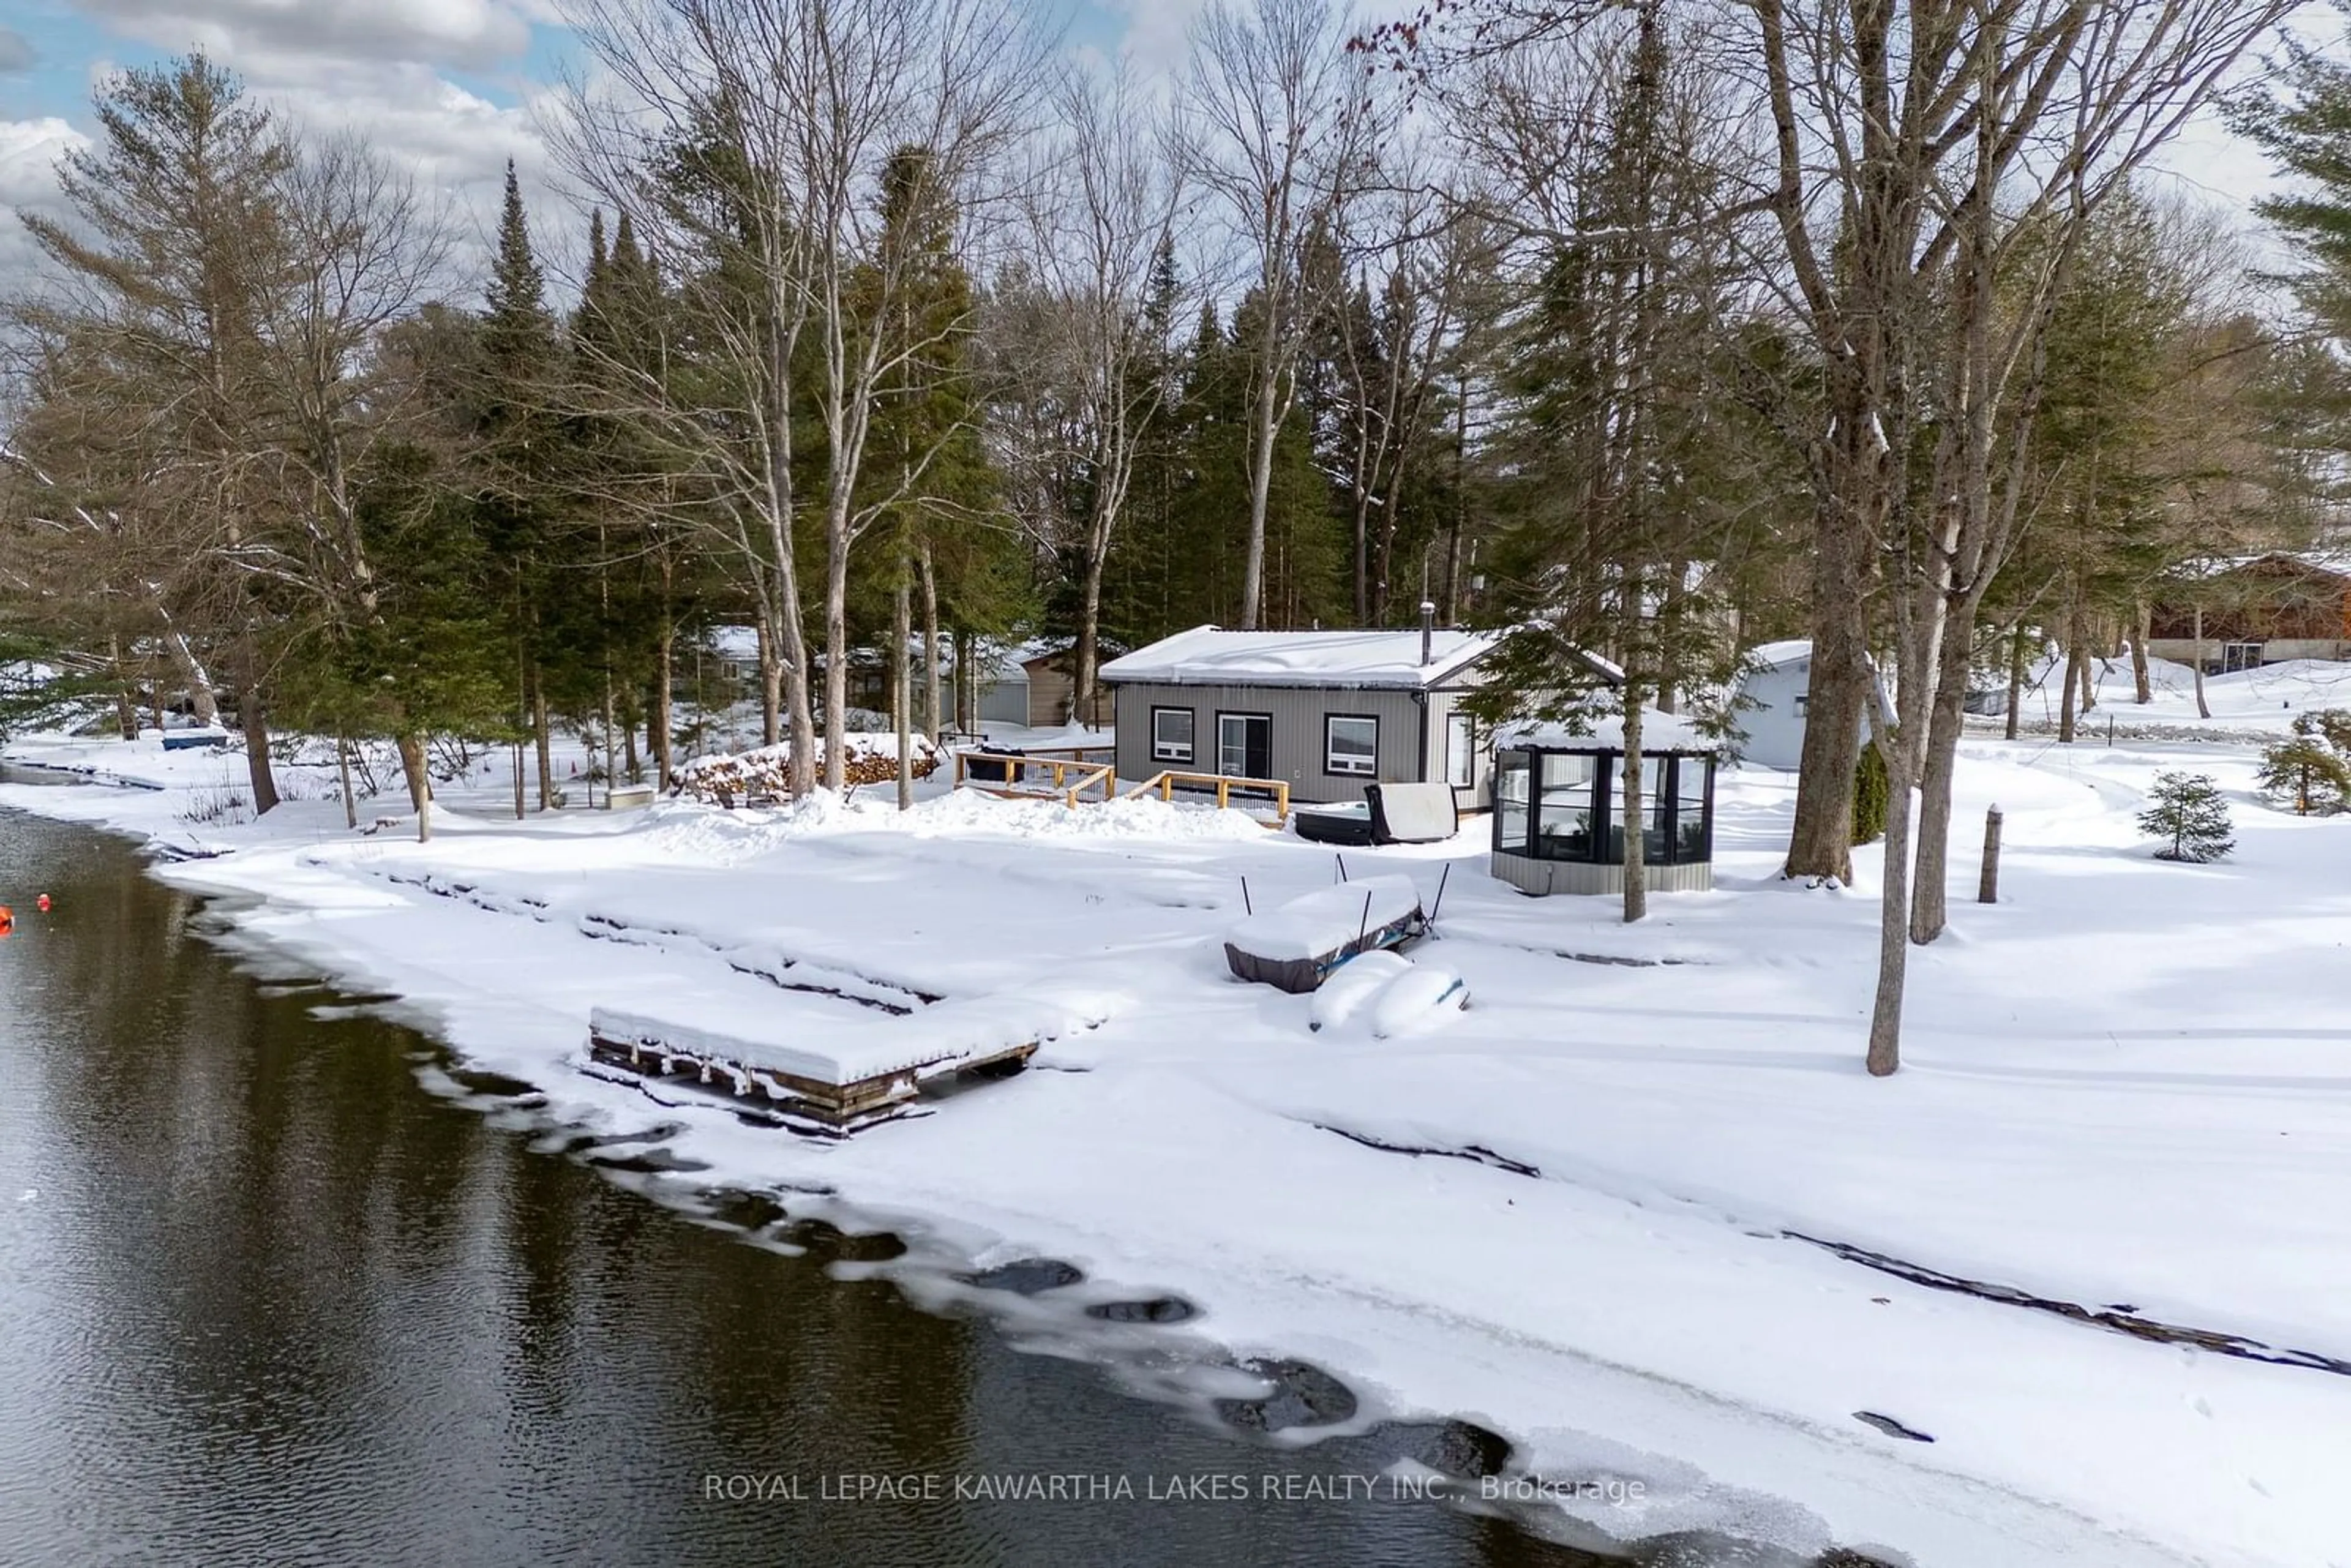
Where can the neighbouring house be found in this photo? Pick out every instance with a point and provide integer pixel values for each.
(1558, 817)
(2241, 612)
(1768, 718)
(1327, 712)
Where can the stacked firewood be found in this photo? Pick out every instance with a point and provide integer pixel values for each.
(751, 777)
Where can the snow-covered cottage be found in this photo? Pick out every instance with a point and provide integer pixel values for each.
(1328, 712)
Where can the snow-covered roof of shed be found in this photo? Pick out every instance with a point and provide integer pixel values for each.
(1660, 731)
(1779, 655)
(2334, 563)
(1209, 656)
(735, 642)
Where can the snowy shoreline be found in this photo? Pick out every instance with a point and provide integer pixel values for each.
(1633, 1308)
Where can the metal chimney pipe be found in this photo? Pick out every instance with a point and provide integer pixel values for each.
(1427, 631)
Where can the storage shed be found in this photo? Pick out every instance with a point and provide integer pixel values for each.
(1559, 820)
(1769, 723)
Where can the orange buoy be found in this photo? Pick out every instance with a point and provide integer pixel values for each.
(7, 920)
(42, 903)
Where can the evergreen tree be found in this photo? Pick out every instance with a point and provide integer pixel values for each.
(2188, 811)
(2312, 768)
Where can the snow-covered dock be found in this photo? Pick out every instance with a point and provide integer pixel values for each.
(863, 1073)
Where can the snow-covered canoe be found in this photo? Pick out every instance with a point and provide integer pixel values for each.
(1296, 945)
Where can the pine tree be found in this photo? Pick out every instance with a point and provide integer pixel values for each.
(2188, 811)
(2311, 770)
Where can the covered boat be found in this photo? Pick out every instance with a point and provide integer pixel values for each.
(1296, 946)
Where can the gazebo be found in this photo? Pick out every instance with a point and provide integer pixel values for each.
(1558, 825)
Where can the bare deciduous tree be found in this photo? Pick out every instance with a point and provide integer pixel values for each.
(1281, 126)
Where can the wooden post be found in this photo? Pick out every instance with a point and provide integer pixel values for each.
(1988, 887)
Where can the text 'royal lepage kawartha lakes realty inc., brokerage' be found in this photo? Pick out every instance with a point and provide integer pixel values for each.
(1180, 1486)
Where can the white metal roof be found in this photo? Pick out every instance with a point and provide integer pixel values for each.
(1209, 655)
(1779, 655)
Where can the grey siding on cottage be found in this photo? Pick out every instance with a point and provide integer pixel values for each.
(1442, 705)
(1298, 713)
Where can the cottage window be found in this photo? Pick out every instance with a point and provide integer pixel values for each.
(1351, 744)
(1460, 751)
(1171, 735)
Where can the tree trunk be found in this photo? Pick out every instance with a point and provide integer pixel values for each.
(256, 725)
(2197, 659)
(1089, 651)
(198, 681)
(2016, 659)
(2141, 679)
(1267, 422)
(1821, 843)
(2077, 657)
(902, 685)
(542, 741)
(966, 704)
(771, 687)
(1893, 947)
(343, 769)
(2088, 675)
(419, 784)
(1636, 811)
(836, 644)
(1945, 724)
(126, 702)
(664, 704)
(931, 719)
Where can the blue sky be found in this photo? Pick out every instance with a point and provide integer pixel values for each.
(69, 42)
(440, 86)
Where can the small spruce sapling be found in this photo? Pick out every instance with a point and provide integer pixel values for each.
(2188, 811)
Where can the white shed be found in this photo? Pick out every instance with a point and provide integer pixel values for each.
(1768, 724)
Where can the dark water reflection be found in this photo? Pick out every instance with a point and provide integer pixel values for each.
(265, 1300)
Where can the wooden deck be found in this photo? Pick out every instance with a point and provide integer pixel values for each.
(806, 1105)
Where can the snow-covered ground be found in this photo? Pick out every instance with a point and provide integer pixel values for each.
(2264, 701)
(2127, 1087)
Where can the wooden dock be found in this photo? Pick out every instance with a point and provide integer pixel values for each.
(805, 1103)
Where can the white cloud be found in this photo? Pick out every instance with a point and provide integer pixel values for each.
(472, 34)
(29, 151)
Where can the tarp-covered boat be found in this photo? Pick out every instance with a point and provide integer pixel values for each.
(1295, 946)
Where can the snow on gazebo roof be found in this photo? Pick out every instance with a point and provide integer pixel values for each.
(1660, 732)
(1209, 655)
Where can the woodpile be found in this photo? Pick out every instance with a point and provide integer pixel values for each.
(749, 777)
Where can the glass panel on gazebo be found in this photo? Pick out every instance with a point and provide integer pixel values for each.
(1563, 826)
(1690, 825)
(1510, 802)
